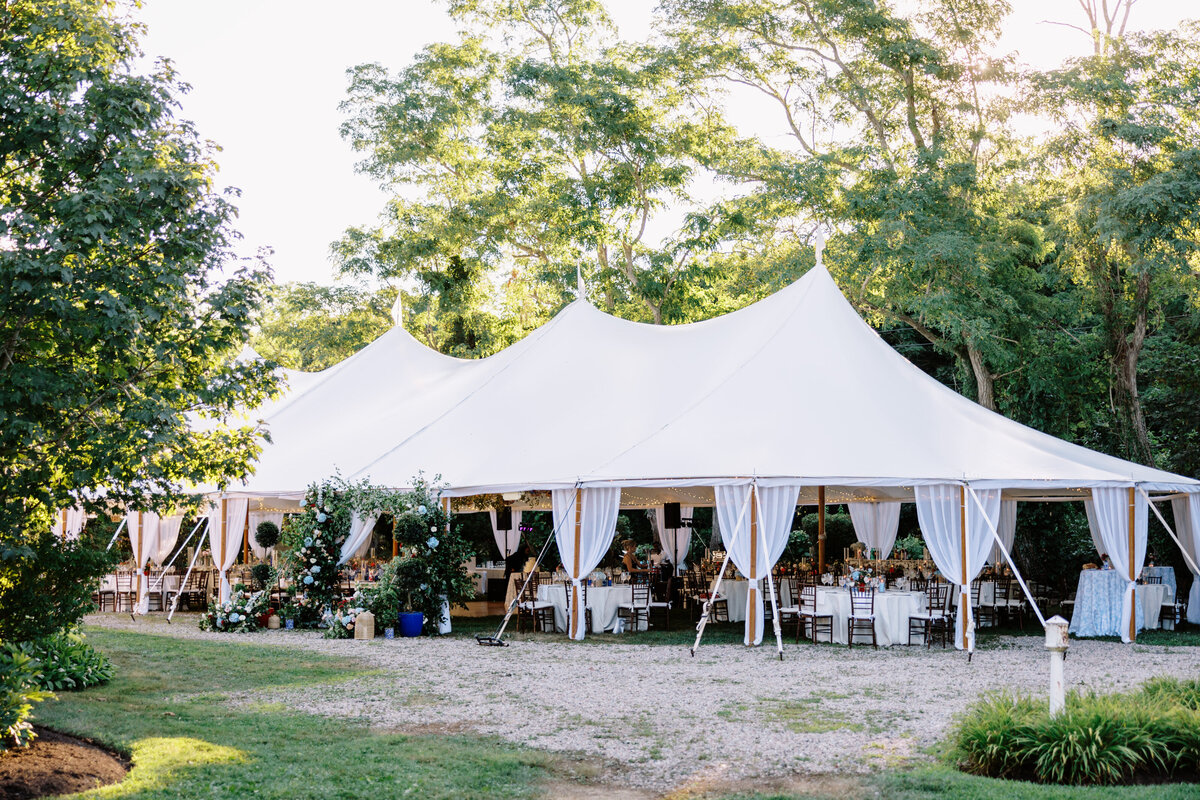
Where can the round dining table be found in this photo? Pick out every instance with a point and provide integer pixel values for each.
(1099, 598)
(892, 610)
(602, 600)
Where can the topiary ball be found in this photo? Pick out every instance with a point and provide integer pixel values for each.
(266, 534)
(410, 528)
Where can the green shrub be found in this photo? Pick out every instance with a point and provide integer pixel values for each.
(266, 534)
(66, 662)
(262, 575)
(1152, 734)
(19, 690)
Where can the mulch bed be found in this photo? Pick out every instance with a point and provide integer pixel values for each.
(57, 764)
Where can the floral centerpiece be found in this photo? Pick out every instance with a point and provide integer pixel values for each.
(861, 578)
(240, 614)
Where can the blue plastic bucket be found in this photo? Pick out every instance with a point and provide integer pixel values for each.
(411, 623)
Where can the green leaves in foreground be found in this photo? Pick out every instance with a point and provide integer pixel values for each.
(1152, 734)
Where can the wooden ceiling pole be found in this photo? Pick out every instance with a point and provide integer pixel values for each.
(820, 530)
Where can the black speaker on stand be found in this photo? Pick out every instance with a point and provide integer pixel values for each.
(671, 518)
(504, 519)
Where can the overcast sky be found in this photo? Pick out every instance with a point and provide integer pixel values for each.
(267, 77)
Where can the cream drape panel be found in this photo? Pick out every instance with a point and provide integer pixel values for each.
(143, 540)
(76, 519)
(674, 543)
(1111, 509)
(507, 542)
(940, 513)
(755, 555)
(225, 542)
(598, 523)
(1090, 509)
(876, 524)
(168, 535)
(256, 518)
(1187, 528)
(359, 540)
(1007, 530)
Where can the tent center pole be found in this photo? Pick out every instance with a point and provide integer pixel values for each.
(820, 530)
(574, 621)
(964, 595)
(752, 599)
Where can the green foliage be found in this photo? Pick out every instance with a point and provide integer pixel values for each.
(310, 327)
(913, 546)
(20, 678)
(262, 575)
(117, 330)
(430, 567)
(266, 534)
(65, 661)
(313, 546)
(1150, 734)
(239, 614)
(46, 586)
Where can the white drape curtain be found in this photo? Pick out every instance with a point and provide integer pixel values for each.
(674, 542)
(142, 528)
(876, 524)
(359, 540)
(256, 518)
(940, 512)
(507, 542)
(598, 523)
(1007, 530)
(1187, 528)
(1090, 509)
(168, 535)
(1111, 511)
(755, 555)
(226, 541)
(76, 519)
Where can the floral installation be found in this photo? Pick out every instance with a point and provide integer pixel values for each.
(239, 614)
(313, 540)
(339, 622)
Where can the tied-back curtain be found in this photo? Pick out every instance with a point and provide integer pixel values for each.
(257, 518)
(755, 555)
(1111, 507)
(674, 543)
(1187, 528)
(940, 510)
(1007, 530)
(168, 535)
(226, 541)
(876, 524)
(76, 518)
(359, 540)
(597, 524)
(507, 542)
(143, 539)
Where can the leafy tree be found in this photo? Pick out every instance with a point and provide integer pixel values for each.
(309, 327)
(113, 323)
(557, 153)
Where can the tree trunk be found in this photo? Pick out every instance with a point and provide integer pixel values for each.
(985, 381)
(1126, 350)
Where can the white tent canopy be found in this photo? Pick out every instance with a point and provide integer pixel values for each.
(794, 389)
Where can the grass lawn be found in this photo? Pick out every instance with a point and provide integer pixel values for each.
(164, 709)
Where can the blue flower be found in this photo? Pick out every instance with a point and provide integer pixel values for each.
(422, 510)
(234, 617)
(321, 517)
(308, 579)
(316, 569)
(433, 542)
(308, 542)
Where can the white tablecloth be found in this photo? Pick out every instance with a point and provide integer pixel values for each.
(892, 610)
(602, 600)
(169, 584)
(1166, 573)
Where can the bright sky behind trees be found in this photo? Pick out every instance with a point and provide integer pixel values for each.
(268, 75)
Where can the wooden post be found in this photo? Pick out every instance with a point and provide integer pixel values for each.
(137, 556)
(964, 597)
(574, 621)
(1132, 574)
(246, 538)
(218, 553)
(752, 599)
(64, 524)
(820, 530)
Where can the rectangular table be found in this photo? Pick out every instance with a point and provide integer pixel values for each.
(892, 610)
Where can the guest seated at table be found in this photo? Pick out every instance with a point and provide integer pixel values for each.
(656, 556)
(630, 560)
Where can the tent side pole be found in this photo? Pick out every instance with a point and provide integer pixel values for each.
(1132, 576)
(1008, 557)
(716, 587)
(964, 595)
(138, 561)
(120, 528)
(191, 566)
(573, 623)
(64, 525)
(1191, 564)
(162, 575)
(820, 530)
(753, 600)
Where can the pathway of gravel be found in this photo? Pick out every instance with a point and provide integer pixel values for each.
(672, 720)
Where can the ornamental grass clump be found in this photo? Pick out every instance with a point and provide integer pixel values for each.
(1150, 735)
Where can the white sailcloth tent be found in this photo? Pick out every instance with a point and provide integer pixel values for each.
(794, 391)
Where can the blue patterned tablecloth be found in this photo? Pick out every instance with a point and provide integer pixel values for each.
(1168, 576)
(1098, 603)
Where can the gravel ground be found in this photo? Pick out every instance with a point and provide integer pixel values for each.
(667, 720)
